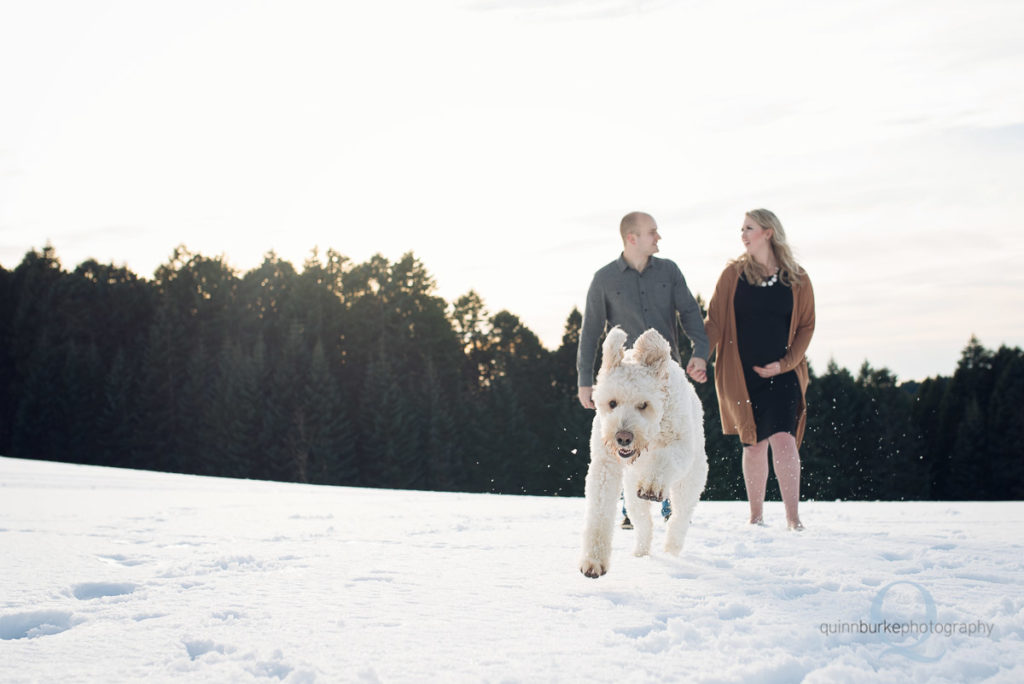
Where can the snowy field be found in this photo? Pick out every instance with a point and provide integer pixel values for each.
(116, 575)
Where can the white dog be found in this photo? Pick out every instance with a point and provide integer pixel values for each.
(648, 440)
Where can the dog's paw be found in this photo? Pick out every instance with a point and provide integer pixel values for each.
(593, 568)
(650, 493)
(673, 548)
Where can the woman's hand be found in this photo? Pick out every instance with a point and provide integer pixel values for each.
(771, 370)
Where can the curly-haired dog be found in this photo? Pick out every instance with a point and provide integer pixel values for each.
(648, 440)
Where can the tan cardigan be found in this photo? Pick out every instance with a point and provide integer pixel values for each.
(720, 324)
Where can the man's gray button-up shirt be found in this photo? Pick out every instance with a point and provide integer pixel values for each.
(620, 295)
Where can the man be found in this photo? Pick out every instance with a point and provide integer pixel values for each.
(638, 291)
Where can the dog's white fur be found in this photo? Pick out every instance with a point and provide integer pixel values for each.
(641, 393)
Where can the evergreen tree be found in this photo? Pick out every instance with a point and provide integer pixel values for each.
(572, 424)
(37, 432)
(8, 398)
(268, 304)
(895, 469)
(32, 356)
(284, 423)
(79, 395)
(1006, 432)
(469, 318)
(118, 421)
(329, 436)
(970, 442)
(926, 419)
(162, 368)
(231, 426)
(196, 449)
(833, 448)
(956, 462)
(386, 450)
(523, 399)
(443, 441)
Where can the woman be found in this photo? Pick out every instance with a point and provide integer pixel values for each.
(760, 321)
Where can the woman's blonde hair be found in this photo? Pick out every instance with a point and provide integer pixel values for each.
(790, 271)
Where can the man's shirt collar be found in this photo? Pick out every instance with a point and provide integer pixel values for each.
(652, 262)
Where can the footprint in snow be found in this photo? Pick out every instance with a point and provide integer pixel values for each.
(271, 668)
(741, 550)
(795, 591)
(638, 632)
(94, 590)
(229, 615)
(197, 648)
(236, 563)
(982, 577)
(148, 616)
(895, 555)
(118, 559)
(35, 624)
(734, 611)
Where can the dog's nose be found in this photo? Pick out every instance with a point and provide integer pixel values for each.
(624, 438)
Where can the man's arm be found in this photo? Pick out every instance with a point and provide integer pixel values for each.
(693, 326)
(595, 317)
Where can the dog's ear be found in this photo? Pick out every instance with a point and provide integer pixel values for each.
(653, 350)
(613, 349)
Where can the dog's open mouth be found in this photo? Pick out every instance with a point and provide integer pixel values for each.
(627, 453)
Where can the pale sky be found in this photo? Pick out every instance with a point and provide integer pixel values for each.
(502, 141)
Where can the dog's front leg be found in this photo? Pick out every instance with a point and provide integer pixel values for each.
(658, 470)
(685, 495)
(604, 480)
(639, 512)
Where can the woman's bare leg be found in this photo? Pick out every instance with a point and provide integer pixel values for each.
(755, 475)
(786, 460)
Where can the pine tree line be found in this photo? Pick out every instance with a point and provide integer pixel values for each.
(358, 374)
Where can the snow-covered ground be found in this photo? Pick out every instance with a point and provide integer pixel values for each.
(117, 575)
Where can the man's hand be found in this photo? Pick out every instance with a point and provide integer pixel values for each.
(586, 395)
(771, 370)
(697, 369)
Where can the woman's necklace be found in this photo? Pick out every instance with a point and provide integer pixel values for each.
(771, 281)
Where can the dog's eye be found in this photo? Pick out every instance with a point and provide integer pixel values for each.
(612, 403)
(642, 406)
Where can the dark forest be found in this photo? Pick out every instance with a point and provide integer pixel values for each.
(358, 374)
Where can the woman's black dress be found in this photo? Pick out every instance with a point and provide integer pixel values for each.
(762, 330)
